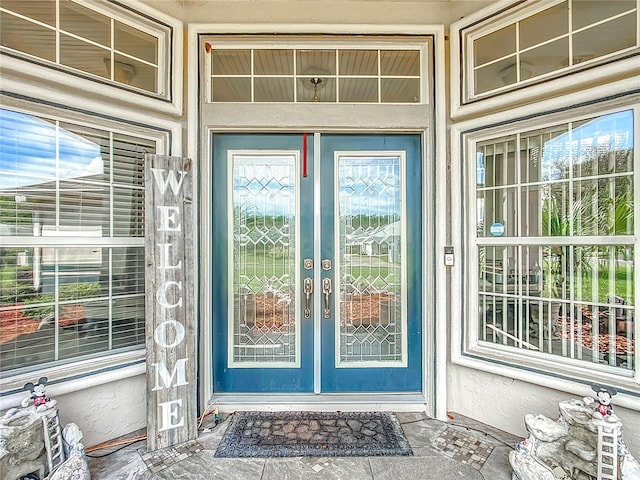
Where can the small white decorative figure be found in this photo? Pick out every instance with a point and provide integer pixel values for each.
(38, 397)
(585, 442)
(75, 467)
(603, 394)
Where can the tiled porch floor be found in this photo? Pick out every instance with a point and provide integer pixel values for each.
(460, 449)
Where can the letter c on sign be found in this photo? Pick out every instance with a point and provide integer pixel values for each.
(161, 294)
(160, 334)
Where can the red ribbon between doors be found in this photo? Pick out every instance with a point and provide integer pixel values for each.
(304, 155)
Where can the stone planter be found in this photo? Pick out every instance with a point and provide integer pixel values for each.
(22, 448)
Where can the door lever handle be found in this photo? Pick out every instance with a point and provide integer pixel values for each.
(326, 289)
(308, 290)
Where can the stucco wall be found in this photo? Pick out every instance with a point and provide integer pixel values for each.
(503, 402)
(106, 411)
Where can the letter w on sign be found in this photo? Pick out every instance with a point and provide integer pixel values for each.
(169, 302)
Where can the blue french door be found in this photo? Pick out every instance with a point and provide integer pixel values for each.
(301, 305)
(372, 232)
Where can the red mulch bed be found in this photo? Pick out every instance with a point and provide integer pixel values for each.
(14, 323)
(272, 314)
(582, 332)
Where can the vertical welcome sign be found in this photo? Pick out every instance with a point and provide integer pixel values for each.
(169, 304)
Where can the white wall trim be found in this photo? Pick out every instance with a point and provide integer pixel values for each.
(73, 102)
(441, 340)
(565, 102)
(80, 378)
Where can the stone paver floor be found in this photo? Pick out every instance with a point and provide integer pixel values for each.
(460, 449)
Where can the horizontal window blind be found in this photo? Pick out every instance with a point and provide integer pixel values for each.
(71, 230)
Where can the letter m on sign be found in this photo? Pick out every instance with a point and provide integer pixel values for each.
(169, 302)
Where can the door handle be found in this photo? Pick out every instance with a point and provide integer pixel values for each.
(308, 290)
(326, 289)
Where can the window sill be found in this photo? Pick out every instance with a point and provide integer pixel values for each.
(73, 377)
(584, 86)
(21, 74)
(564, 377)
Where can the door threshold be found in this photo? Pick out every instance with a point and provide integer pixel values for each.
(329, 402)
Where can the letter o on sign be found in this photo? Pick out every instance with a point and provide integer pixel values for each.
(161, 337)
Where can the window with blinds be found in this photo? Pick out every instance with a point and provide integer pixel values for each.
(121, 47)
(72, 241)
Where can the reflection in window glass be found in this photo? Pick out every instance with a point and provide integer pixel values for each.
(372, 318)
(568, 183)
(82, 39)
(545, 25)
(85, 22)
(44, 12)
(59, 183)
(28, 37)
(588, 44)
(263, 252)
(495, 45)
(551, 40)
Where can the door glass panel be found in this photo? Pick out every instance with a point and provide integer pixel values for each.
(262, 260)
(371, 322)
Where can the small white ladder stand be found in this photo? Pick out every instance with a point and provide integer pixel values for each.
(607, 452)
(53, 440)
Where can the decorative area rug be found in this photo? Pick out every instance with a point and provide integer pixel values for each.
(313, 434)
(464, 448)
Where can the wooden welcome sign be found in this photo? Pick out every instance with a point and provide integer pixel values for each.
(169, 305)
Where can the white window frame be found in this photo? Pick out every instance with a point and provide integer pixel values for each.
(552, 371)
(17, 66)
(501, 14)
(361, 44)
(74, 373)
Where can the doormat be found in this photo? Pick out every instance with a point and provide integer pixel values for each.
(313, 434)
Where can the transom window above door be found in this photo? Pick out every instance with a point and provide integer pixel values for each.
(354, 74)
